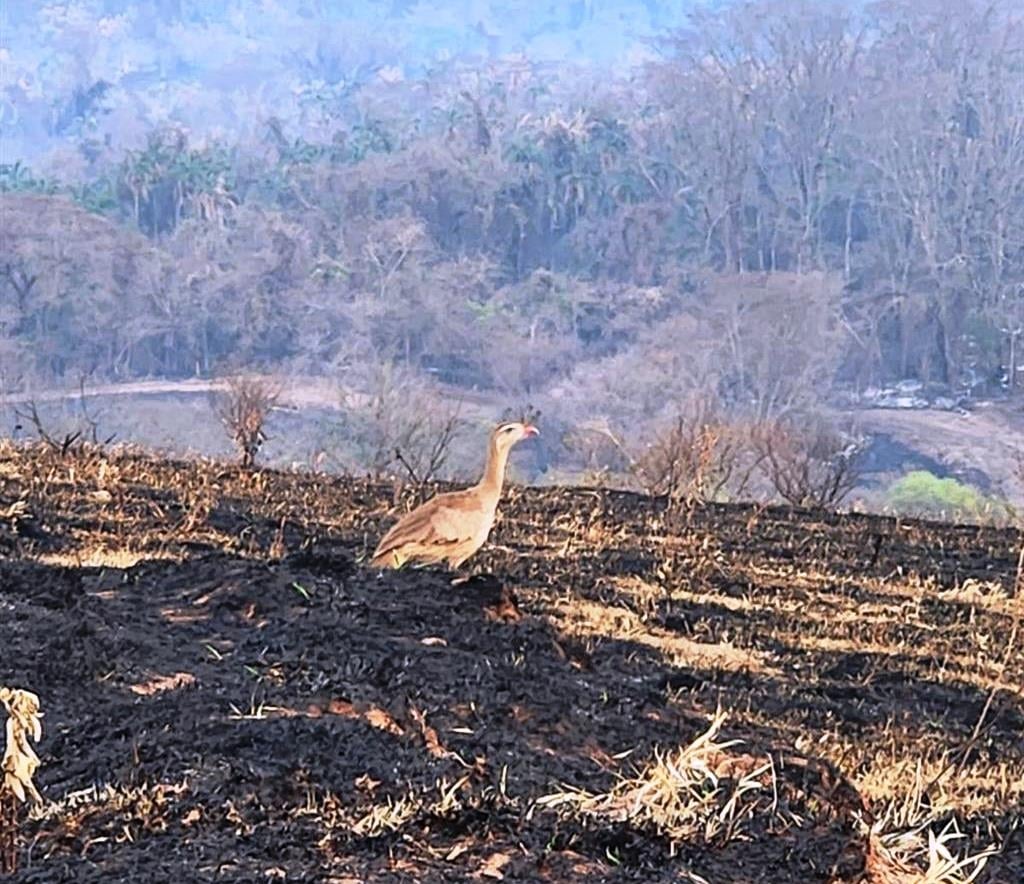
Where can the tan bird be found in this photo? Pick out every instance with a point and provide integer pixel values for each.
(453, 526)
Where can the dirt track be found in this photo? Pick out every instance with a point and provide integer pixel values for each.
(229, 695)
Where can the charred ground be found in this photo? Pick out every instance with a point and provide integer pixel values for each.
(230, 694)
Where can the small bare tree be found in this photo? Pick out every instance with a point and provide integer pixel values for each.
(243, 408)
(809, 462)
(87, 431)
(30, 414)
(423, 450)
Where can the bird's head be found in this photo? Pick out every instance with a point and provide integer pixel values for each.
(505, 435)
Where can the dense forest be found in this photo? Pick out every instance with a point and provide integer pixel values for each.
(777, 201)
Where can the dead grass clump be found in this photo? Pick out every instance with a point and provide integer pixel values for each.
(808, 460)
(904, 845)
(699, 792)
(243, 408)
(12, 517)
(390, 814)
(19, 765)
(23, 727)
(922, 856)
(198, 499)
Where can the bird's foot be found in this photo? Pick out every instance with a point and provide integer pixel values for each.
(474, 578)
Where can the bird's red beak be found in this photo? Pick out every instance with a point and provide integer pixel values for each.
(529, 431)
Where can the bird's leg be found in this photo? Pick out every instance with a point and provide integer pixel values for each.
(460, 577)
(469, 576)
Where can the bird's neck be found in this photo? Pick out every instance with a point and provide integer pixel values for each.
(494, 473)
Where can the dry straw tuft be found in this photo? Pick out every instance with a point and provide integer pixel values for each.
(697, 792)
(23, 725)
(920, 856)
(903, 846)
(19, 765)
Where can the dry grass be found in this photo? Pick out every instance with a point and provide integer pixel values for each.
(697, 793)
(583, 619)
(98, 557)
(24, 727)
(873, 649)
(906, 846)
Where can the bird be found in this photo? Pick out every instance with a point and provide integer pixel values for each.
(452, 526)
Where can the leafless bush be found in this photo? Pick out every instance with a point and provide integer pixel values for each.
(408, 425)
(62, 443)
(423, 449)
(697, 460)
(19, 766)
(808, 461)
(243, 408)
(700, 456)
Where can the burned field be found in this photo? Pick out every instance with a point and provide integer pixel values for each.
(737, 695)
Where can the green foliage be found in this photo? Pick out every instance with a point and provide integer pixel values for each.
(18, 178)
(169, 180)
(921, 493)
(99, 195)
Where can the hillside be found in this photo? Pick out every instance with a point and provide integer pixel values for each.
(804, 193)
(229, 694)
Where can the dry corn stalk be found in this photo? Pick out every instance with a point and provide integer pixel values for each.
(23, 725)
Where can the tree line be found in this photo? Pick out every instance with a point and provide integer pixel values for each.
(794, 197)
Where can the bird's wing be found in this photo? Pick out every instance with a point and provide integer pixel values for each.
(442, 521)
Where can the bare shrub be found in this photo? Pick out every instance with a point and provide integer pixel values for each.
(701, 455)
(595, 451)
(698, 459)
(243, 408)
(62, 443)
(19, 766)
(423, 448)
(407, 425)
(809, 462)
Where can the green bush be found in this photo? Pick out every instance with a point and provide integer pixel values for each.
(921, 493)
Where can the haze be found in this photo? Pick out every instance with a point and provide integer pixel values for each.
(639, 219)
